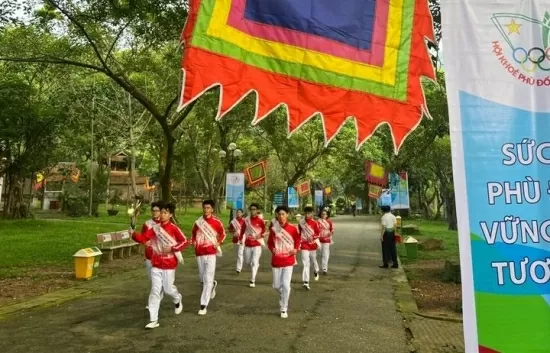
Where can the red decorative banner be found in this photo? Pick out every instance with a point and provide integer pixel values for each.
(374, 191)
(304, 188)
(255, 174)
(375, 174)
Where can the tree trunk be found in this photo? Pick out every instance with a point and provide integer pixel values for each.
(132, 148)
(439, 205)
(218, 195)
(133, 169)
(107, 199)
(15, 206)
(165, 171)
(450, 207)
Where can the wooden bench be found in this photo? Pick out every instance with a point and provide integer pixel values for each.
(119, 244)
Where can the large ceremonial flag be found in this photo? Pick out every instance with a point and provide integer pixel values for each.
(497, 62)
(343, 59)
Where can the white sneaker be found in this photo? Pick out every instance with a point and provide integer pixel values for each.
(316, 276)
(213, 295)
(252, 284)
(147, 307)
(284, 315)
(178, 309)
(306, 286)
(152, 325)
(202, 312)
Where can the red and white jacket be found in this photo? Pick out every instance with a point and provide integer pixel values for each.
(252, 236)
(308, 240)
(203, 244)
(326, 230)
(282, 239)
(144, 228)
(237, 233)
(163, 256)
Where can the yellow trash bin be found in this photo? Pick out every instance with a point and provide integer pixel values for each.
(86, 263)
(399, 223)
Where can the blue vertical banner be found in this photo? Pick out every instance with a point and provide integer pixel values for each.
(399, 186)
(319, 198)
(278, 198)
(358, 204)
(385, 198)
(497, 68)
(293, 200)
(234, 190)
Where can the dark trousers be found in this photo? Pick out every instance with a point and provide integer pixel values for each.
(389, 251)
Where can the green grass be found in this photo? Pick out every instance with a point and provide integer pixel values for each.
(436, 230)
(39, 243)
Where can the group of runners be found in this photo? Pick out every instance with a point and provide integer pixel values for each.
(164, 242)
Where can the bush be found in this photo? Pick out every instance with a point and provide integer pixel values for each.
(76, 206)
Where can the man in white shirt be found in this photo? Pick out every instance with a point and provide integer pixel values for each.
(387, 236)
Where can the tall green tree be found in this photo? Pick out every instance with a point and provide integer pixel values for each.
(133, 43)
(27, 140)
(298, 153)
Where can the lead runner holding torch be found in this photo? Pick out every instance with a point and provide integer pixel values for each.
(167, 241)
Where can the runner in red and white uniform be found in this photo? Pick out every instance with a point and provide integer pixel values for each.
(208, 236)
(309, 230)
(235, 228)
(253, 236)
(327, 231)
(166, 241)
(284, 244)
(155, 219)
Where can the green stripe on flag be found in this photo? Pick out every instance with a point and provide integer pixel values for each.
(397, 92)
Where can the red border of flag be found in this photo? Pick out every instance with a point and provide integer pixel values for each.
(259, 180)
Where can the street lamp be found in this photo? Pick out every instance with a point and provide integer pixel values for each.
(232, 156)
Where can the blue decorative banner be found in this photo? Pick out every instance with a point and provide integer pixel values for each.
(385, 198)
(293, 201)
(497, 65)
(278, 198)
(234, 190)
(399, 186)
(318, 198)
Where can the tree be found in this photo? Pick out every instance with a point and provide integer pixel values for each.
(426, 155)
(8, 9)
(204, 137)
(126, 42)
(27, 140)
(298, 153)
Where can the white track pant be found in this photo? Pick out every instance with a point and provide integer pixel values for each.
(308, 257)
(325, 254)
(281, 283)
(148, 268)
(252, 257)
(207, 271)
(239, 251)
(161, 281)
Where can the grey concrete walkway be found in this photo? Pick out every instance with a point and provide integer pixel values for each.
(350, 310)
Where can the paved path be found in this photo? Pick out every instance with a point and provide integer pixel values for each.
(350, 310)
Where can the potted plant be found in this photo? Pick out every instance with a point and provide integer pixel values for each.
(115, 199)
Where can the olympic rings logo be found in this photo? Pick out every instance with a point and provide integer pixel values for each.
(532, 58)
